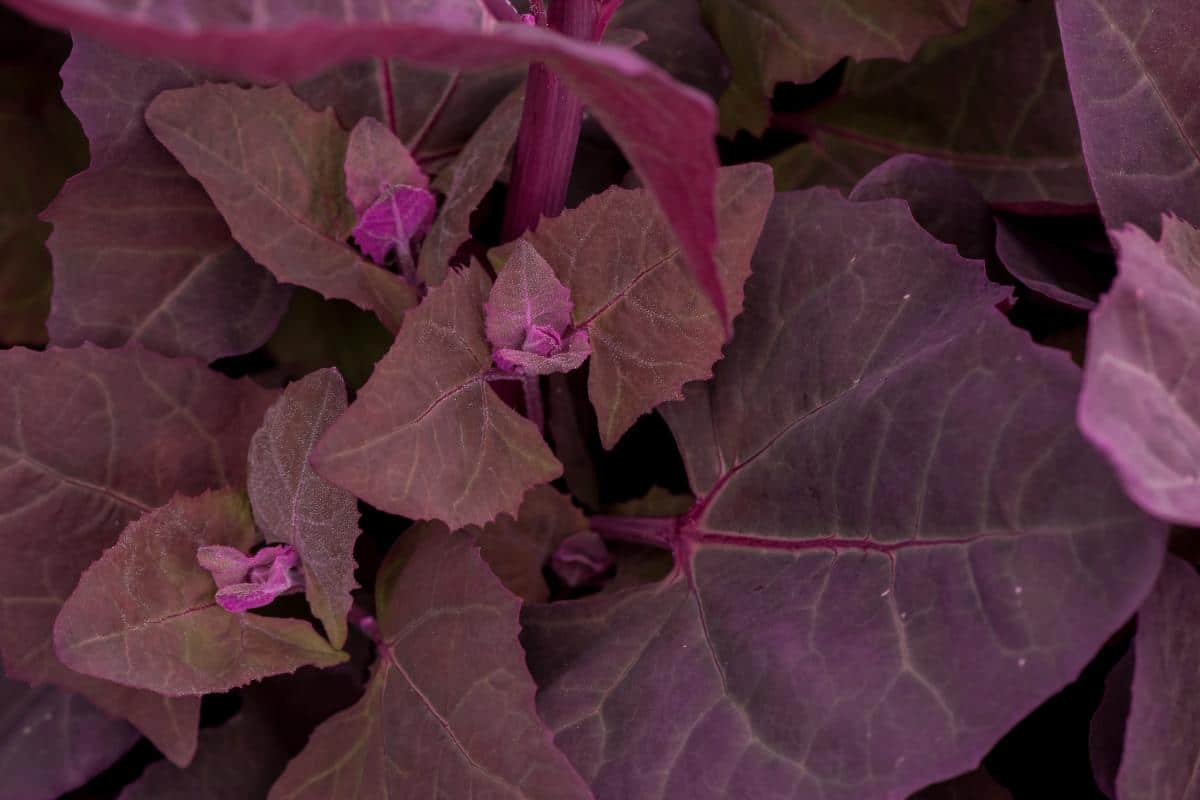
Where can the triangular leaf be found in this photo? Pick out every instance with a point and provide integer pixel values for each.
(449, 710)
(275, 170)
(878, 527)
(427, 437)
(144, 614)
(142, 428)
(292, 504)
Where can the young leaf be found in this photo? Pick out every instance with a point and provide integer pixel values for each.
(144, 614)
(517, 548)
(665, 129)
(879, 533)
(376, 161)
(400, 216)
(1136, 99)
(293, 505)
(53, 741)
(769, 41)
(1141, 396)
(1162, 736)
(140, 254)
(528, 318)
(427, 438)
(449, 710)
(465, 182)
(993, 103)
(275, 169)
(142, 428)
(650, 329)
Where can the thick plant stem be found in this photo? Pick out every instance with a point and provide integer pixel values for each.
(549, 132)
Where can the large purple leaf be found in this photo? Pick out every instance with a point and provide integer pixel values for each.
(450, 708)
(144, 614)
(665, 129)
(769, 41)
(53, 741)
(1162, 737)
(293, 505)
(275, 169)
(42, 145)
(141, 428)
(465, 182)
(517, 549)
(676, 39)
(994, 104)
(878, 535)
(650, 329)
(1141, 393)
(140, 254)
(427, 437)
(1134, 86)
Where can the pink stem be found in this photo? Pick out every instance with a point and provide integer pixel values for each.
(535, 410)
(549, 132)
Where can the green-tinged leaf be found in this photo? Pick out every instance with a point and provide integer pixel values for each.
(144, 615)
(449, 711)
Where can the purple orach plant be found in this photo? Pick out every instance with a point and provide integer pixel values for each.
(581, 559)
(252, 581)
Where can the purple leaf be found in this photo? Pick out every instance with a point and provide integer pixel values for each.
(400, 216)
(1050, 264)
(142, 428)
(427, 437)
(581, 559)
(140, 253)
(240, 759)
(42, 145)
(517, 549)
(797, 40)
(450, 708)
(994, 104)
(275, 170)
(54, 741)
(465, 182)
(650, 329)
(376, 161)
(942, 201)
(1141, 396)
(1136, 100)
(879, 533)
(1106, 733)
(292, 504)
(144, 613)
(677, 40)
(528, 318)
(665, 129)
(1162, 737)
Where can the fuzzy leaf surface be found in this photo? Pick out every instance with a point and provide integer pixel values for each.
(427, 438)
(276, 170)
(142, 428)
(144, 614)
(824, 569)
(450, 708)
(650, 330)
(294, 505)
